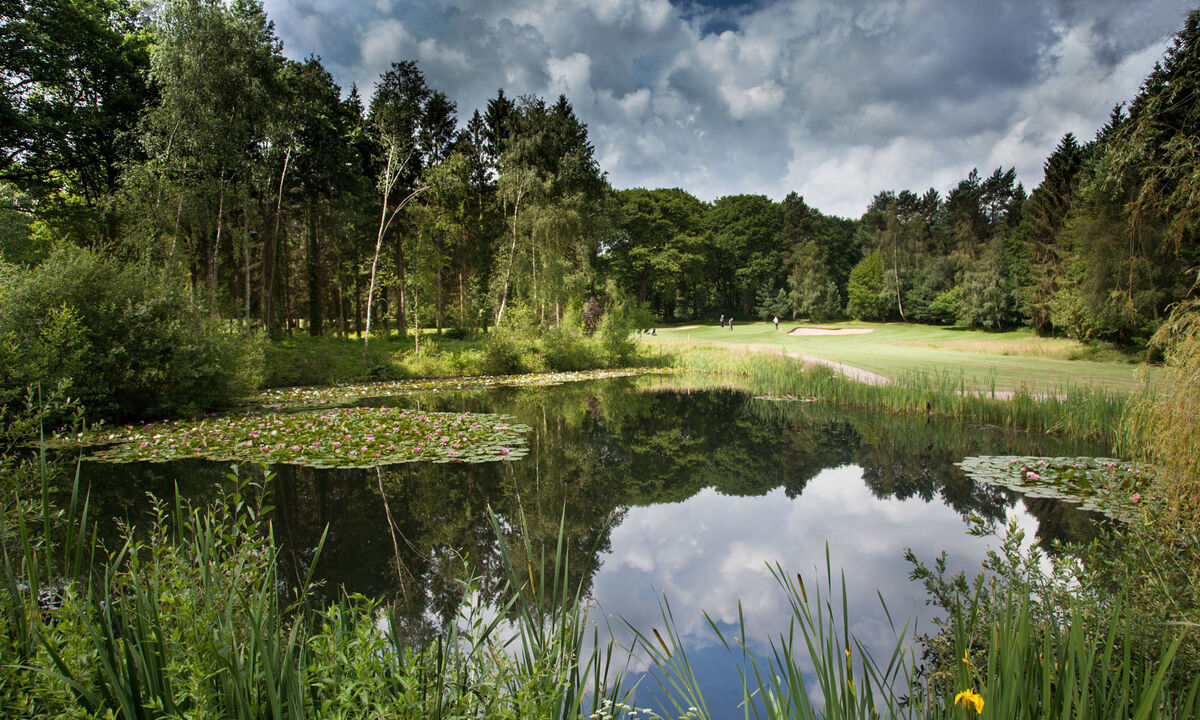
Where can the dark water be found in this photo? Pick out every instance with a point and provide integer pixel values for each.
(662, 491)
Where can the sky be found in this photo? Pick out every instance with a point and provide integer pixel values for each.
(833, 99)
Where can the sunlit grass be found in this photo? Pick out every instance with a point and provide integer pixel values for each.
(1005, 361)
(1080, 411)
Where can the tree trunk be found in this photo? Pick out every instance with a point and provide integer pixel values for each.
(511, 254)
(269, 250)
(437, 310)
(402, 279)
(215, 257)
(246, 251)
(315, 310)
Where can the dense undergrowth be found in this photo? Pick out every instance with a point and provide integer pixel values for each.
(518, 346)
(126, 340)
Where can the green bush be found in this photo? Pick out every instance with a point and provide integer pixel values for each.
(125, 339)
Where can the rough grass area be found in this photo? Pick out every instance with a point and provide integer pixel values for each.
(1008, 361)
(303, 360)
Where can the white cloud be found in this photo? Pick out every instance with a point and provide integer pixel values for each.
(836, 100)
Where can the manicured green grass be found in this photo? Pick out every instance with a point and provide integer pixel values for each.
(986, 361)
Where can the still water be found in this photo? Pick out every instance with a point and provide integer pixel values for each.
(664, 491)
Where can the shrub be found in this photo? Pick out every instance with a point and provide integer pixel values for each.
(125, 339)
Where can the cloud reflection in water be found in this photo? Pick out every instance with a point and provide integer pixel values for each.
(710, 551)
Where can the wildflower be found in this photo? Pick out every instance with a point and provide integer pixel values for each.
(1137, 498)
(966, 658)
(968, 698)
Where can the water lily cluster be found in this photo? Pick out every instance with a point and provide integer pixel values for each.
(1104, 485)
(339, 394)
(334, 437)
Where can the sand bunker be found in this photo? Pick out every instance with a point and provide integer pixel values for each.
(830, 331)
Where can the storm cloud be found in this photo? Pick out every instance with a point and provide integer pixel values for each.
(834, 100)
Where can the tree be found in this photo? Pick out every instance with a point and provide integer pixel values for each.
(984, 299)
(325, 165)
(744, 252)
(865, 289)
(1041, 228)
(73, 88)
(656, 252)
(397, 123)
(217, 71)
(561, 208)
(814, 293)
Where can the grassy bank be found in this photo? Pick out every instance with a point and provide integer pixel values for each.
(1083, 411)
(1008, 361)
(303, 360)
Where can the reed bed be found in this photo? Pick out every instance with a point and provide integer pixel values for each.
(1007, 661)
(195, 622)
(1075, 411)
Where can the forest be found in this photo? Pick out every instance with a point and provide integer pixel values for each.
(180, 137)
(188, 216)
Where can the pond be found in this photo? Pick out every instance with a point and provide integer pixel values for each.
(664, 490)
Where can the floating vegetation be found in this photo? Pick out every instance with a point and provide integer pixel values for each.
(296, 397)
(335, 437)
(1104, 485)
(786, 398)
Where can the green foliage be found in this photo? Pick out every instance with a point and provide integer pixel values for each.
(769, 303)
(985, 300)
(125, 339)
(74, 89)
(865, 289)
(1034, 642)
(814, 292)
(191, 616)
(658, 255)
(1160, 426)
(944, 307)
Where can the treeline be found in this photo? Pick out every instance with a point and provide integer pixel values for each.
(182, 137)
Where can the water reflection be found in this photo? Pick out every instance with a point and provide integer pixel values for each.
(660, 489)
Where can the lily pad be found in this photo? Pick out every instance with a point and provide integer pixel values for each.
(1105, 485)
(334, 437)
(306, 397)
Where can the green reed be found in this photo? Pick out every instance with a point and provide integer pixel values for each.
(1076, 411)
(1009, 657)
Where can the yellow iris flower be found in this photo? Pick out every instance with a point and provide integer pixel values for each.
(969, 698)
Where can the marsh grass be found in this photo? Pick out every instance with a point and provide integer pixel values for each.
(191, 618)
(1076, 411)
(1022, 658)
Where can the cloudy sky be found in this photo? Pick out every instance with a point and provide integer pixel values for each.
(835, 99)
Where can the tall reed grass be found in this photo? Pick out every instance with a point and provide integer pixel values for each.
(1006, 661)
(1076, 411)
(193, 620)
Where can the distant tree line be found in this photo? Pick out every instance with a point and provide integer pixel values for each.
(180, 136)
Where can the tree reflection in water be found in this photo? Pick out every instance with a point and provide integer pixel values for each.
(597, 449)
